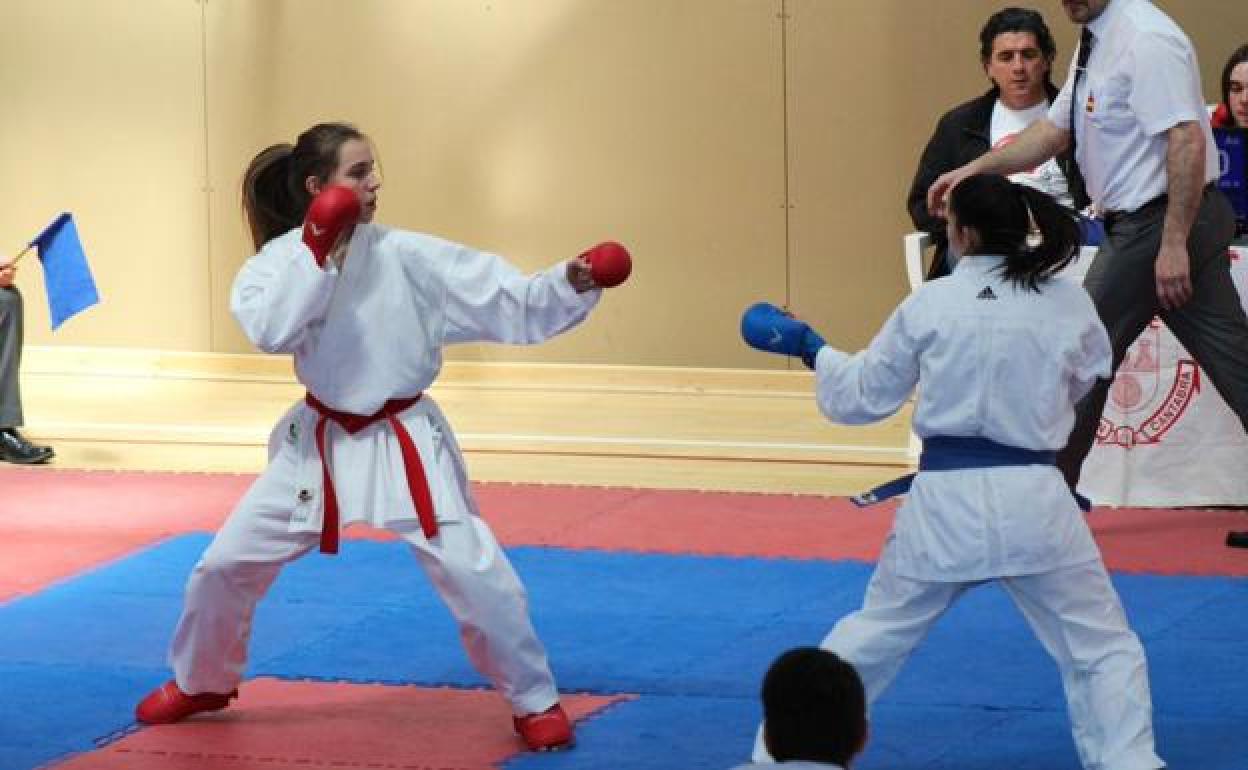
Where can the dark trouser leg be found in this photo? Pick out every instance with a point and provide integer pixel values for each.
(1121, 284)
(10, 357)
(1212, 326)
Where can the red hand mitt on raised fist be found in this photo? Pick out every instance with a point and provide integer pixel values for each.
(609, 264)
(333, 212)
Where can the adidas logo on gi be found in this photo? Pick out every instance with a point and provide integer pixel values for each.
(986, 293)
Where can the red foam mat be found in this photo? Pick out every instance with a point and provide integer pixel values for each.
(1170, 541)
(146, 503)
(54, 523)
(278, 723)
(704, 523)
(1156, 540)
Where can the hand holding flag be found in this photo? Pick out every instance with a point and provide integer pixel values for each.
(67, 277)
(8, 271)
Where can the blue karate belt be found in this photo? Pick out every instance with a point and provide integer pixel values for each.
(956, 453)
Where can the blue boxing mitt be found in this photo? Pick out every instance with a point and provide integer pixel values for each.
(766, 327)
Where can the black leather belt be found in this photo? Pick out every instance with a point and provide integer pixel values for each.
(1111, 218)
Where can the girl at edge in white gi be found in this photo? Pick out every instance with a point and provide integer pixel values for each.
(1004, 350)
(366, 310)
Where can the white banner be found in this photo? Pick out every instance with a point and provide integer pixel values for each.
(1166, 438)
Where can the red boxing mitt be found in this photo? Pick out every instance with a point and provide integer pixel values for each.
(333, 212)
(1221, 117)
(609, 264)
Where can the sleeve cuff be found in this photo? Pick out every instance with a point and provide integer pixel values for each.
(558, 275)
(829, 357)
(308, 263)
(1160, 125)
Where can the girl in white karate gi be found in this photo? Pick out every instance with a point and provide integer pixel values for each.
(1003, 350)
(366, 310)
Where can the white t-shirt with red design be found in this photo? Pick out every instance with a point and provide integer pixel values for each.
(1007, 124)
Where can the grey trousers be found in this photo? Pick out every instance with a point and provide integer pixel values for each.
(1211, 326)
(10, 357)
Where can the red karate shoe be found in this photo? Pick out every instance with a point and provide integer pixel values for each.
(167, 704)
(547, 731)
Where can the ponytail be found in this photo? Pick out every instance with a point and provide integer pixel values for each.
(1059, 240)
(268, 201)
(274, 192)
(1002, 213)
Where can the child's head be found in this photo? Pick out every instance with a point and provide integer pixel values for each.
(989, 214)
(280, 181)
(1235, 87)
(814, 708)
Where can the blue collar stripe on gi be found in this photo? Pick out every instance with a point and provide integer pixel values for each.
(954, 453)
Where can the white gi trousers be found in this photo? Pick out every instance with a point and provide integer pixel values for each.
(1074, 612)
(464, 561)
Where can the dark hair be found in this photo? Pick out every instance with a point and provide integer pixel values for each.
(1001, 214)
(275, 197)
(1016, 20)
(1239, 56)
(814, 707)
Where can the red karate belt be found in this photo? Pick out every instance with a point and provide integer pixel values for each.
(417, 481)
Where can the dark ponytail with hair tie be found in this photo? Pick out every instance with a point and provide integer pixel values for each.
(1002, 213)
(1059, 240)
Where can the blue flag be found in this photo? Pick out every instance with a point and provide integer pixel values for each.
(71, 289)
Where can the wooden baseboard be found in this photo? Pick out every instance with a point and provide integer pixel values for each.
(753, 430)
(262, 367)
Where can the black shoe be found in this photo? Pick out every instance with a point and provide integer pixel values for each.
(1237, 539)
(14, 448)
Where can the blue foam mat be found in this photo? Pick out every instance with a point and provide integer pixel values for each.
(48, 711)
(691, 635)
(707, 733)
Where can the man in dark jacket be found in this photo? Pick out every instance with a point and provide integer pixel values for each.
(1017, 51)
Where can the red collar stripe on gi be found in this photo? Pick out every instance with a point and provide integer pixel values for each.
(417, 482)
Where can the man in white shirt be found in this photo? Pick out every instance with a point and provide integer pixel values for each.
(1133, 109)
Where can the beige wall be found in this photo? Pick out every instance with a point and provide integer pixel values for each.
(102, 115)
(743, 149)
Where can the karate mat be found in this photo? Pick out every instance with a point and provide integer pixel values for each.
(659, 642)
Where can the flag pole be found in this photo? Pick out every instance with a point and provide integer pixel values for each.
(21, 254)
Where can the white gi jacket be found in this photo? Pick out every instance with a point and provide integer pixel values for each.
(995, 362)
(375, 332)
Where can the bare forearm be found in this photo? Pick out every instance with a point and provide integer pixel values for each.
(1039, 142)
(1185, 171)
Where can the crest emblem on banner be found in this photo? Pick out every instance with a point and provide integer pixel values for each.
(1138, 412)
(1135, 384)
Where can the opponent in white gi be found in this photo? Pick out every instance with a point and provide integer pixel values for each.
(366, 311)
(1003, 352)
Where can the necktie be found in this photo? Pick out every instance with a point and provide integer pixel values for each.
(1086, 41)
